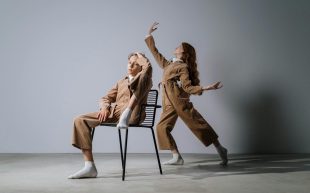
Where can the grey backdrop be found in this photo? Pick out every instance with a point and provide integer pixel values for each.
(57, 58)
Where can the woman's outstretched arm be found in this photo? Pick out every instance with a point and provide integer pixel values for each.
(150, 42)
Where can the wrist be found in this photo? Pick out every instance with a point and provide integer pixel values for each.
(207, 88)
(105, 107)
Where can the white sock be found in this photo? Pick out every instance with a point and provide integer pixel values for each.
(176, 160)
(222, 151)
(88, 171)
(124, 119)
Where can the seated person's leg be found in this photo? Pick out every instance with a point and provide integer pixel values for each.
(83, 125)
(82, 140)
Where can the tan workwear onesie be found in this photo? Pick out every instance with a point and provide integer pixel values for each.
(176, 91)
(116, 101)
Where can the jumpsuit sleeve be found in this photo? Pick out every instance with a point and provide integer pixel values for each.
(142, 82)
(160, 59)
(186, 82)
(105, 101)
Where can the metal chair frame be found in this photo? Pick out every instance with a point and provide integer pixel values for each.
(150, 111)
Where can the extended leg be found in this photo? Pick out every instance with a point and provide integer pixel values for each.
(166, 141)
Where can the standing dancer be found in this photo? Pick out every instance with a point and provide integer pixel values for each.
(180, 80)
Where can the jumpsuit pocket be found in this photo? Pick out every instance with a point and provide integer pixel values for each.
(176, 89)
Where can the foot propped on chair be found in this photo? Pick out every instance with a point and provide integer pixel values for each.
(124, 119)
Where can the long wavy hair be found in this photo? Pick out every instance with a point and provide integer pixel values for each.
(189, 57)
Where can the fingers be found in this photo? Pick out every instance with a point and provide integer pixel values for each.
(139, 55)
(155, 24)
(100, 117)
(215, 85)
(153, 27)
(218, 85)
(105, 116)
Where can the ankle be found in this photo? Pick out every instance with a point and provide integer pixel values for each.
(89, 163)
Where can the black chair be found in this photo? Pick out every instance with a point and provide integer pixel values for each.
(150, 111)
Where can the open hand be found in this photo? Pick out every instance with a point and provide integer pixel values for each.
(103, 115)
(214, 86)
(153, 27)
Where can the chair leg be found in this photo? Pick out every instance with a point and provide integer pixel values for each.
(92, 133)
(155, 144)
(121, 147)
(125, 154)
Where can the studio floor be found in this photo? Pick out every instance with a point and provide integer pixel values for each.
(23, 173)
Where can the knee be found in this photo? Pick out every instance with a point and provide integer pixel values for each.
(160, 128)
(78, 120)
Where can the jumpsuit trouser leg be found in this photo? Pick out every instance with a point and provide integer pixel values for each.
(184, 109)
(164, 128)
(83, 124)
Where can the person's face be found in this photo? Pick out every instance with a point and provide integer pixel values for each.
(133, 67)
(178, 52)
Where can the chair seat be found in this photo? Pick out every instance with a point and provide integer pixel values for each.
(130, 125)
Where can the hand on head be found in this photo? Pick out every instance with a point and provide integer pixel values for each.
(140, 54)
(142, 59)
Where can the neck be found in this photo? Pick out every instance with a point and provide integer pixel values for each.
(177, 60)
(130, 77)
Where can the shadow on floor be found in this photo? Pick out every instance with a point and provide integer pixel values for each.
(240, 165)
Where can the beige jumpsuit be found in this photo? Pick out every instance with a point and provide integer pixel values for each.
(116, 100)
(176, 103)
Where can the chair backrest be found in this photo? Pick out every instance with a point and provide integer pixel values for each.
(150, 109)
